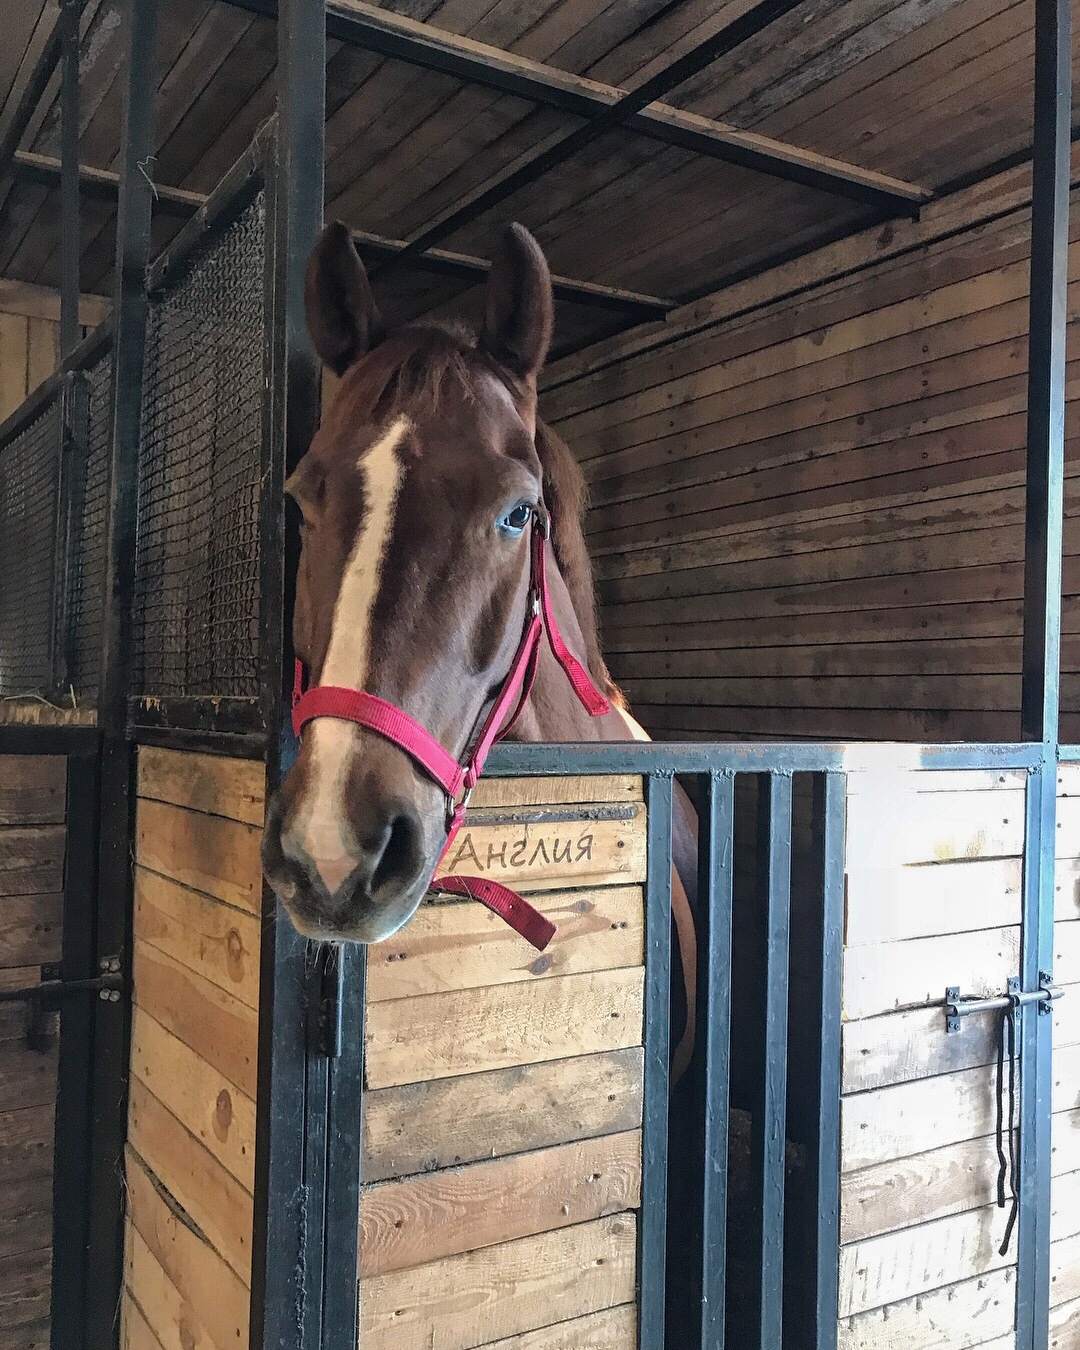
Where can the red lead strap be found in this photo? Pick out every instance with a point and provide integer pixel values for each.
(458, 780)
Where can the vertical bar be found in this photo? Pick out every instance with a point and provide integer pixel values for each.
(115, 880)
(1046, 372)
(652, 1236)
(71, 482)
(70, 15)
(770, 1107)
(714, 998)
(1036, 1079)
(74, 1086)
(829, 814)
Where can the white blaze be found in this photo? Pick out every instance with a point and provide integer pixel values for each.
(347, 659)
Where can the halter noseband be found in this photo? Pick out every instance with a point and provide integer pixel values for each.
(457, 780)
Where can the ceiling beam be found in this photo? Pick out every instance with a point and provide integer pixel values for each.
(103, 185)
(404, 39)
(32, 94)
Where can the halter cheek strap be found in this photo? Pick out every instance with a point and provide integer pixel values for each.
(457, 780)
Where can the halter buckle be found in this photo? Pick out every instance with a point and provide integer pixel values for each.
(455, 810)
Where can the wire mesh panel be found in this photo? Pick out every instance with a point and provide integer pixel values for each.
(28, 478)
(87, 578)
(196, 586)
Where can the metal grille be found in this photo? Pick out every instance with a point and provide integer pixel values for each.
(28, 475)
(196, 587)
(92, 528)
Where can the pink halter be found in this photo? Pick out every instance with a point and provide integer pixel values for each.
(458, 780)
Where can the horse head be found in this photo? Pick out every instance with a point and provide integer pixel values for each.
(420, 496)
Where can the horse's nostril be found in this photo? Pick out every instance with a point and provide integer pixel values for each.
(402, 853)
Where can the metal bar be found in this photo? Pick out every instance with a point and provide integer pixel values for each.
(50, 388)
(102, 185)
(652, 1231)
(1036, 1078)
(957, 1006)
(1040, 700)
(420, 44)
(769, 1111)
(714, 1000)
(829, 816)
(695, 757)
(74, 1095)
(1069, 754)
(215, 716)
(70, 15)
(70, 494)
(62, 739)
(115, 882)
(677, 72)
(32, 94)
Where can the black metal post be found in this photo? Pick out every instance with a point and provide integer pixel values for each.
(769, 1131)
(716, 846)
(115, 880)
(74, 1093)
(70, 14)
(1040, 699)
(829, 816)
(652, 1235)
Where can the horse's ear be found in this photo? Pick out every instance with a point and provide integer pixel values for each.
(519, 311)
(341, 313)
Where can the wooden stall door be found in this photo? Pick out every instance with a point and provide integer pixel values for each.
(191, 1118)
(32, 837)
(934, 874)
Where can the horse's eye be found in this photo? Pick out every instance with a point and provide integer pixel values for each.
(515, 521)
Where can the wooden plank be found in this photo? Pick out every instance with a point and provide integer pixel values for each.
(207, 853)
(504, 792)
(918, 828)
(884, 976)
(908, 1191)
(168, 1317)
(43, 302)
(43, 351)
(218, 1027)
(25, 1214)
(214, 940)
(216, 785)
(409, 1223)
(32, 789)
(955, 1318)
(613, 1329)
(32, 860)
(469, 1031)
(135, 1331)
(25, 1290)
(26, 1142)
(211, 1108)
(13, 349)
(1064, 1271)
(31, 929)
(215, 1295)
(895, 1122)
(463, 945)
(1064, 1325)
(888, 903)
(883, 1270)
(208, 1193)
(469, 1300)
(540, 850)
(27, 1077)
(447, 1122)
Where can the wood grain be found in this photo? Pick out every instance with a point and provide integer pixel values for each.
(216, 785)
(470, 1300)
(208, 853)
(954, 1318)
(408, 1223)
(425, 1126)
(613, 1329)
(469, 1031)
(32, 789)
(464, 946)
(32, 860)
(31, 929)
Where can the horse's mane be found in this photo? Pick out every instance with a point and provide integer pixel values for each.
(424, 362)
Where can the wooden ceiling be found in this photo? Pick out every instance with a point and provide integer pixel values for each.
(926, 91)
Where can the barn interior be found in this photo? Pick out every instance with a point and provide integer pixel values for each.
(790, 347)
(791, 246)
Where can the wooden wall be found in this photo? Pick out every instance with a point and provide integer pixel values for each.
(30, 337)
(807, 493)
(502, 1144)
(32, 810)
(933, 899)
(191, 1122)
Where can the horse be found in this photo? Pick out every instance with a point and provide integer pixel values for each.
(418, 497)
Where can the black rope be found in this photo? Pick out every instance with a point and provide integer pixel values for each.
(1007, 1170)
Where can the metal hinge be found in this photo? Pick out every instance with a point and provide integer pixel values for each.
(331, 975)
(44, 998)
(957, 1007)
